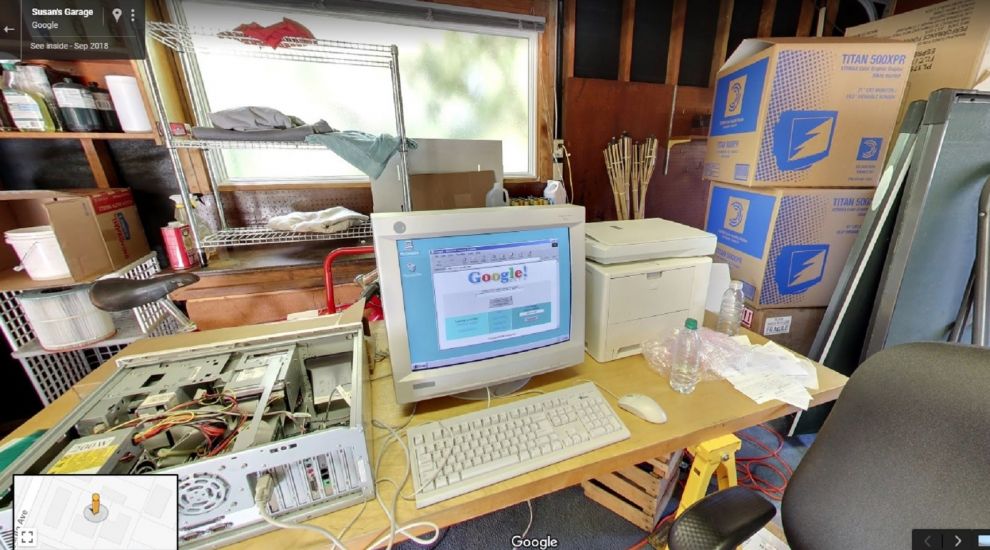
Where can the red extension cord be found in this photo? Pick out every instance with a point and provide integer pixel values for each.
(746, 472)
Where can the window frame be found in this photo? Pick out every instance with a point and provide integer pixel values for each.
(537, 62)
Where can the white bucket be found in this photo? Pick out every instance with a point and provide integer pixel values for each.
(38, 251)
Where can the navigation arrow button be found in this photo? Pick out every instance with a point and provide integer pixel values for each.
(958, 541)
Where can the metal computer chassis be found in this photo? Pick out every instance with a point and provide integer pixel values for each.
(216, 495)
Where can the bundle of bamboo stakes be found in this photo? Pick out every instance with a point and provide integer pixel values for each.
(630, 166)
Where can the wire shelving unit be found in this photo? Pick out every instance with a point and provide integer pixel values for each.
(188, 41)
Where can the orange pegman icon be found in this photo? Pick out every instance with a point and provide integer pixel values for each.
(96, 504)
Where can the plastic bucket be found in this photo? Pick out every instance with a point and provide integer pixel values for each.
(38, 251)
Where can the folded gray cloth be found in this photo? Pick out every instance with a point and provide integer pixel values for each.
(251, 119)
(292, 134)
(366, 152)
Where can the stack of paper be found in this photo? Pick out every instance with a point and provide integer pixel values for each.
(769, 372)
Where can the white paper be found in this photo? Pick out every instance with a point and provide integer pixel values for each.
(768, 372)
(764, 540)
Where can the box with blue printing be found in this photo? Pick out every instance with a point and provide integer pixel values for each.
(806, 112)
(787, 245)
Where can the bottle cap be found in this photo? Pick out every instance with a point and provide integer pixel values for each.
(691, 324)
(735, 285)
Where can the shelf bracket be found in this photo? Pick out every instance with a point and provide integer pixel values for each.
(100, 163)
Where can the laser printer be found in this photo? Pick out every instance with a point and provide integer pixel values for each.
(642, 276)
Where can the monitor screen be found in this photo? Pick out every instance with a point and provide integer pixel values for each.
(474, 297)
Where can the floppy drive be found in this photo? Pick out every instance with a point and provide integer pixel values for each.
(648, 239)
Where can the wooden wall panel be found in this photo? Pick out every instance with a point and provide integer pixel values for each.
(681, 195)
(252, 309)
(626, 39)
(691, 102)
(594, 112)
(677, 19)
(766, 18)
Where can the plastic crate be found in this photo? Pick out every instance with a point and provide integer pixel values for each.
(54, 373)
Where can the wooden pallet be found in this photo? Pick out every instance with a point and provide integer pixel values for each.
(638, 493)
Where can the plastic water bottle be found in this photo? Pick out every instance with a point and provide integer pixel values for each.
(686, 370)
(732, 307)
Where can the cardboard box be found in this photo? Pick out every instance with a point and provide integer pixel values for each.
(953, 40)
(794, 328)
(98, 230)
(806, 112)
(787, 246)
(450, 191)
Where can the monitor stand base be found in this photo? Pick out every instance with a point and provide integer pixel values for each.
(498, 390)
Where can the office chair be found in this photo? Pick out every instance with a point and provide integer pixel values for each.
(907, 446)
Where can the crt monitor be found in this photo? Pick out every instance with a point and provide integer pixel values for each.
(480, 299)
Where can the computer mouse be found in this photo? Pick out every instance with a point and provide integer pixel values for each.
(644, 407)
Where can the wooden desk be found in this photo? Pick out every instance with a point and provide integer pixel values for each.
(715, 408)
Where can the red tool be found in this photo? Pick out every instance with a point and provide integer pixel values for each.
(372, 307)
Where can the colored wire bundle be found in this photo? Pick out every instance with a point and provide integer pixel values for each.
(747, 467)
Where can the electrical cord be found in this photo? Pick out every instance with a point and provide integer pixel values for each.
(746, 467)
(570, 172)
(263, 493)
(601, 387)
(392, 513)
(528, 525)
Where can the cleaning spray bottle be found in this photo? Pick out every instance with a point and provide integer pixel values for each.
(195, 219)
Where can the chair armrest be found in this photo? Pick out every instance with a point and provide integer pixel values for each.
(720, 521)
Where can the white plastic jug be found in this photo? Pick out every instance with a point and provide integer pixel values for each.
(555, 192)
(498, 196)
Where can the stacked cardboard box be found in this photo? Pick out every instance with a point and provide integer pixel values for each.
(800, 130)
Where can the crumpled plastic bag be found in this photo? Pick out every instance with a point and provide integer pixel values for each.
(717, 349)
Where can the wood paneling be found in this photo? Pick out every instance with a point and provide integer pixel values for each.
(691, 102)
(251, 309)
(680, 195)
(677, 19)
(766, 18)
(626, 39)
(806, 18)
(100, 162)
(594, 112)
(570, 22)
(721, 38)
(831, 13)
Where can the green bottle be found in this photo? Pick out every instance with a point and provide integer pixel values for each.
(28, 110)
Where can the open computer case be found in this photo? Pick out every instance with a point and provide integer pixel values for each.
(295, 393)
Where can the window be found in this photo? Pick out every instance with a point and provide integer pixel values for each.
(457, 83)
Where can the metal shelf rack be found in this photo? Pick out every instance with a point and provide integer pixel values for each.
(53, 373)
(188, 41)
(249, 236)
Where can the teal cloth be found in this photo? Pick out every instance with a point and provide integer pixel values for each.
(366, 152)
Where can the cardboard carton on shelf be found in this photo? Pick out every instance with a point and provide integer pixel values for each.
(98, 231)
(794, 328)
(787, 246)
(806, 112)
(450, 190)
(953, 39)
